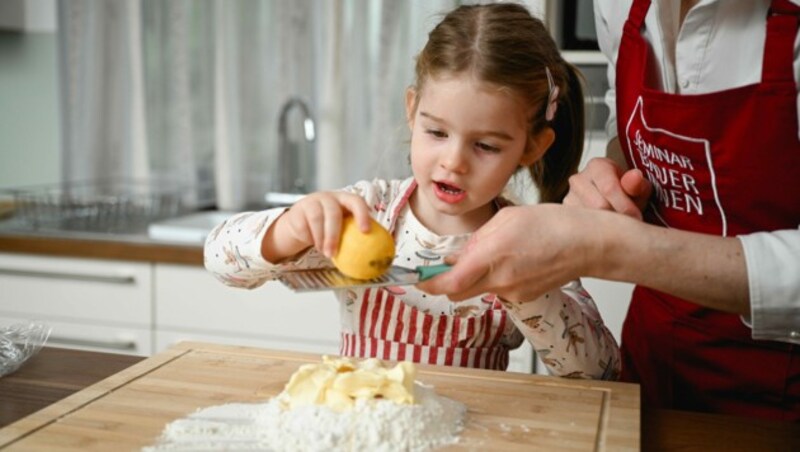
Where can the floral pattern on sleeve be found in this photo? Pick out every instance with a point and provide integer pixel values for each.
(568, 334)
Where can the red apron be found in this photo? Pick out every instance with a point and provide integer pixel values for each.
(723, 163)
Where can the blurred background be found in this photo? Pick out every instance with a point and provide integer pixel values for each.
(234, 104)
(195, 90)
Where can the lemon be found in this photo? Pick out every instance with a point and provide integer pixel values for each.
(364, 255)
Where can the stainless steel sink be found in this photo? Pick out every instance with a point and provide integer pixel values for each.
(194, 227)
(282, 199)
(190, 228)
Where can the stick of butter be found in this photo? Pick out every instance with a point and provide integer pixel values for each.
(338, 382)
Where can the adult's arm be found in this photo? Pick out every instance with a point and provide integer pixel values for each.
(563, 243)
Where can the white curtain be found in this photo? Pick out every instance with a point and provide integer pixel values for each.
(191, 90)
(99, 79)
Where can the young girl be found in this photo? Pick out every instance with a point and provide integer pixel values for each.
(492, 97)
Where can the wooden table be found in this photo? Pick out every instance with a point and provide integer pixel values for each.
(56, 373)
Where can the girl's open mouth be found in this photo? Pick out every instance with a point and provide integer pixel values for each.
(449, 188)
(448, 193)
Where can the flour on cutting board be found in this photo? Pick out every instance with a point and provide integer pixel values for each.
(375, 425)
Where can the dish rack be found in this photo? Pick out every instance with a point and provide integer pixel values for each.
(103, 206)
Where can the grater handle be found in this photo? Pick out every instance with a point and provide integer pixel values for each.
(429, 271)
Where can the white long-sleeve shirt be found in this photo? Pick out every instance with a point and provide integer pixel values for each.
(719, 46)
(403, 323)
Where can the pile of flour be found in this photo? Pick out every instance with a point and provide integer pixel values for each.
(374, 425)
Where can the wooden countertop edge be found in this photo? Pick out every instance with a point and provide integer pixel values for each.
(50, 414)
(103, 249)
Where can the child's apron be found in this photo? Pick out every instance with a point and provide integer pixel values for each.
(389, 329)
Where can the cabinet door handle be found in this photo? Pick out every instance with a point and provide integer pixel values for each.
(109, 279)
(112, 345)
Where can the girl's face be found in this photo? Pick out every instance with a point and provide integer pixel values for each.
(467, 140)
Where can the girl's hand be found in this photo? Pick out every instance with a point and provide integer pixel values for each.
(315, 220)
(604, 185)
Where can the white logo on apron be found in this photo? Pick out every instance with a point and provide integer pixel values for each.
(672, 173)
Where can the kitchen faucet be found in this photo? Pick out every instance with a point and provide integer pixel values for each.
(297, 171)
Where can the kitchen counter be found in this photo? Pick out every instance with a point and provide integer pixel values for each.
(129, 247)
(56, 373)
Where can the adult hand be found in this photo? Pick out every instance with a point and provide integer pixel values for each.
(315, 220)
(524, 252)
(604, 185)
(520, 254)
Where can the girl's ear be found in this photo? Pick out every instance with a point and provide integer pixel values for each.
(411, 101)
(537, 146)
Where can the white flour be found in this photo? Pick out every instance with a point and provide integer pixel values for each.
(377, 425)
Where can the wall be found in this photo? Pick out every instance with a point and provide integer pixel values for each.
(29, 119)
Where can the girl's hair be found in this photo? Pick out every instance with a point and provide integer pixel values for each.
(502, 44)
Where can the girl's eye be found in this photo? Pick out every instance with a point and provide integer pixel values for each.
(436, 133)
(487, 148)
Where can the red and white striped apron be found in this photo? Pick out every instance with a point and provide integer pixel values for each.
(387, 328)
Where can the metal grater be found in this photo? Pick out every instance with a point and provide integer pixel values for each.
(332, 279)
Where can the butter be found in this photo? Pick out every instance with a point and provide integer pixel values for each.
(338, 382)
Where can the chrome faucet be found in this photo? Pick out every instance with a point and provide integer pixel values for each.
(297, 171)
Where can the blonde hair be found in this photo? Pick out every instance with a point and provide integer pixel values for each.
(502, 44)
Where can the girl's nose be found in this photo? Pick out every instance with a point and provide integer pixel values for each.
(454, 159)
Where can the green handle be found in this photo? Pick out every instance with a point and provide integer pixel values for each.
(429, 271)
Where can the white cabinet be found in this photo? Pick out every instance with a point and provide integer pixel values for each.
(191, 304)
(612, 299)
(91, 304)
(142, 308)
(522, 359)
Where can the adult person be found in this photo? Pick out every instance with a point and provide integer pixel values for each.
(705, 105)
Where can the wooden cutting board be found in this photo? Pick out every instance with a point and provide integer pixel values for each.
(505, 410)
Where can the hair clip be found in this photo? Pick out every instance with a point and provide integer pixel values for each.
(552, 106)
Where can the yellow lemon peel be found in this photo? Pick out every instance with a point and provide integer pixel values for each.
(364, 255)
